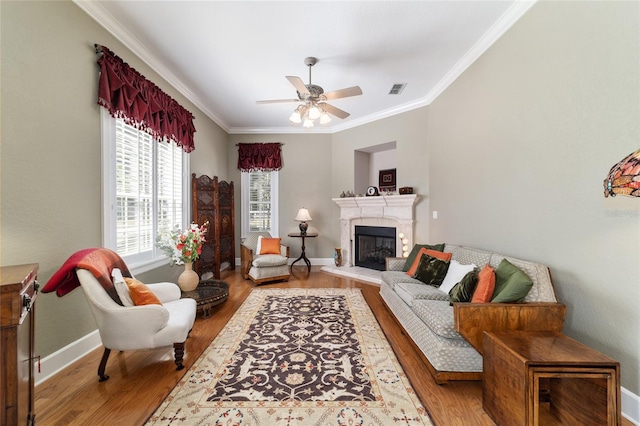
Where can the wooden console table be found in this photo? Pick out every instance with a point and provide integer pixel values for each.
(303, 256)
(18, 293)
(584, 385)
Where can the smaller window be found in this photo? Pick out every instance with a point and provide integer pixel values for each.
(260, 202)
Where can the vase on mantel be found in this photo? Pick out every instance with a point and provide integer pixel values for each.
(337, 256)
(188, 279)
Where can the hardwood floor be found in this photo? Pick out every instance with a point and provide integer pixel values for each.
(140, 380)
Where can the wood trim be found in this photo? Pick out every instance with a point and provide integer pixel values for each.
(269, 279)
(246, 257)
(472, 319)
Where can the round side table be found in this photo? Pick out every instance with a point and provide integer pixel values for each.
(208, 294)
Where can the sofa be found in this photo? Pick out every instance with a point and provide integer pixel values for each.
(449, 335)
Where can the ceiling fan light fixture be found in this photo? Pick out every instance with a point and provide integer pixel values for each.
(314, 112)
(312, 100)
(295, 117)
(324, 118)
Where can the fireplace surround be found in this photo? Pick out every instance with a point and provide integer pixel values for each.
(395, 211)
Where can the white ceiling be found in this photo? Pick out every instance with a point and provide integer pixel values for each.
(226, 55)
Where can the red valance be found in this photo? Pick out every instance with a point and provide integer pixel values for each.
(127, 94)
(264, 157)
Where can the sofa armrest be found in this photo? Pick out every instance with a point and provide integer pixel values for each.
(472, 319)
(394, 263)
(284, 250)
(246, 257)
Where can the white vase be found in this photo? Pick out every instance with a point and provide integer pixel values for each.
(188, 279)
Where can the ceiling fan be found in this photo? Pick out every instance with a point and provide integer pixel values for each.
(314, 99)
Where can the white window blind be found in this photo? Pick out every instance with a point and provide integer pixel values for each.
(170, 185)
(134, 190)
(260, 201)
(144, 189)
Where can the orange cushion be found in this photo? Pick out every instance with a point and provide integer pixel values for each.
(433, 253)
(270, 246)
(140, 293)
(486, 285)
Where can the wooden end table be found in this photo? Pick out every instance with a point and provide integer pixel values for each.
(208, 294)
(303, 256)
(584, 385)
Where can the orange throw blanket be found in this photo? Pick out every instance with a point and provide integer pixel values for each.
(99, 261)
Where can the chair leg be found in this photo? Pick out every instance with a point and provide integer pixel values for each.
(178, 349)
(103, 365)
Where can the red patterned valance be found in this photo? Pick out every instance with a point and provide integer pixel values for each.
(127, 94)
(263, 157)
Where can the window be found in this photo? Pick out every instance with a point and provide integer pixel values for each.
(260, 202)
(145, 186)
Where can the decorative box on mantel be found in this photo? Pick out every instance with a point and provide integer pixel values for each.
(384, 210)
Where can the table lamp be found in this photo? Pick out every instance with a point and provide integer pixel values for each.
(303, 216)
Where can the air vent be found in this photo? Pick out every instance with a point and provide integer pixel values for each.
(397, 88)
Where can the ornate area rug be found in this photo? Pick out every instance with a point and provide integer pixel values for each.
(296, 357)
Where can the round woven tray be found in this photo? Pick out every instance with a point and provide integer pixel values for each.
(208, 294)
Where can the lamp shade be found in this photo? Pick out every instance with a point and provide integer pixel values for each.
(303, 215)
(624, 177)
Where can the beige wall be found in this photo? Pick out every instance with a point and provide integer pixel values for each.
(50, 152)
(304, 181)
(409, 131)
(519, 147)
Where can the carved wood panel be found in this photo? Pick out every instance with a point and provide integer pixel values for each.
(213, 201)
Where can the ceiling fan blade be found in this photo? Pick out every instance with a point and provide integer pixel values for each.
(277, 101)
(298, 84)
(343, 93)
(334, 111)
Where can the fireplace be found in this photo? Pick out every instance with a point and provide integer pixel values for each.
(394, 211)
(373, 244)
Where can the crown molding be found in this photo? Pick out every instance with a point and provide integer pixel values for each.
(279, 130)
(106, 20)
(497, 30)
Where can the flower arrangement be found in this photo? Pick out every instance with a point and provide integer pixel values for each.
(183, 247)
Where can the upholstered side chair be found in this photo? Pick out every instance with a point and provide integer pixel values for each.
(149, 326)
(262, 268)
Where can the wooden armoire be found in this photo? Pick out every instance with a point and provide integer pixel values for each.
(213, 201)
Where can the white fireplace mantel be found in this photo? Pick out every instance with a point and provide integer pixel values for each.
(382, 210)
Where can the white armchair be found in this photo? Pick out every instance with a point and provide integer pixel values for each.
(262, 268)
(139, 327)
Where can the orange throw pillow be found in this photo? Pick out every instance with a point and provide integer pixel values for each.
(140, 293)
(433, 253)
(270, 246)
(486, 285)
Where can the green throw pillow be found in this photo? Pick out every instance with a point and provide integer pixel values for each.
(431, 270)
(512, 284)
(414, 253)
(463, 291)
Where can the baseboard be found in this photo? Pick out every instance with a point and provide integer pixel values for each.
(63, 357)
(630, 406)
